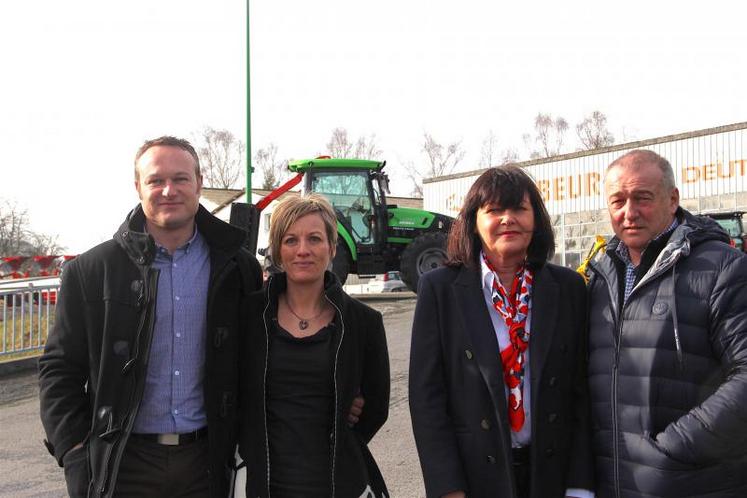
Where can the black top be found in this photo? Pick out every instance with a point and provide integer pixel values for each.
(300, 400)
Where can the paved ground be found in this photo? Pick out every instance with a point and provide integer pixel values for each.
(29, 471)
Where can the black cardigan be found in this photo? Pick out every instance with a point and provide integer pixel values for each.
(361, 366)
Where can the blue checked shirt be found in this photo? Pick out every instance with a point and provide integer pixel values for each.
(624, 255)
(173, 401)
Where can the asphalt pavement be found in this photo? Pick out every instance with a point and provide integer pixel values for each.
(29, 471)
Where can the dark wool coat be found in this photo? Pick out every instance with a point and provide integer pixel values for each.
(361, 366)
(668, 371)
(457, 393)
(92, 372)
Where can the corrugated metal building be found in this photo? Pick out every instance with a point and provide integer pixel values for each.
(710, 169)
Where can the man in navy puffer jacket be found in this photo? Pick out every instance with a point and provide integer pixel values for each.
(668, 344)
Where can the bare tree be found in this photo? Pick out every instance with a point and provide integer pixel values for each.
(270, 166)
(416, 178)
(593, 132)
(221, 157)
(549, 134)
(45, 244)
(489, 150)
(18, 239)
(509, 156)
(342, 146)
(441, 160)
(492, 156)
(14, 230)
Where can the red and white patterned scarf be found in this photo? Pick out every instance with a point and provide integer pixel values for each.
(514, 308)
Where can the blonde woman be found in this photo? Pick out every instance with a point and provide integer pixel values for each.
(309, 351)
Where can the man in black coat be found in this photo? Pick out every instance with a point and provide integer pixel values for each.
(138, 381)
(668, 344)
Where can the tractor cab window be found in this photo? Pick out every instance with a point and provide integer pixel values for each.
(376, 184)
(731, 226)
(348, 192)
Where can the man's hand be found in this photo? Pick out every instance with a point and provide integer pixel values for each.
(356, 409)
(455, 494)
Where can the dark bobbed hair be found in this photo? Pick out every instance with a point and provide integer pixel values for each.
(504, 186)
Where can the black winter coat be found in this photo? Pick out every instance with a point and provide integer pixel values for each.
(458, 397)
(361, 366)
(92, 372)
(668, 371)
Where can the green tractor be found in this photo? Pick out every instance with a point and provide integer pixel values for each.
(374, 237)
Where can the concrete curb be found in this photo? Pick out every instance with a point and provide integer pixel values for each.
(8, 368)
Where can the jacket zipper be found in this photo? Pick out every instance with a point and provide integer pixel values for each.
(264, 385)
(150, 290)
(334, 427)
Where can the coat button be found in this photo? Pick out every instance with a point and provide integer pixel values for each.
(552, 418)
(549, 452)
(485, 424)
(491, 459)
(468, 354)
(552, 381)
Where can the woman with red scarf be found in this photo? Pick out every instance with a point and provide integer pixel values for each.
(498, 392)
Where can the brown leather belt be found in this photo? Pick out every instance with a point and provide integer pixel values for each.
(173, 439)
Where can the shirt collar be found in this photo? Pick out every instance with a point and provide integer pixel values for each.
(623, 252)
(196, 237)
(488, 277)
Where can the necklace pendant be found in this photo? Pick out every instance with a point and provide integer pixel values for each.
(303, 324)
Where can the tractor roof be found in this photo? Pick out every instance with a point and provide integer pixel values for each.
(306, 164)
(725, 216)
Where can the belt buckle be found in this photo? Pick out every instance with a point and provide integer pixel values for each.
(168, 439)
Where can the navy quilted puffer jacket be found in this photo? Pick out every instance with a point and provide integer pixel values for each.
(668, 371)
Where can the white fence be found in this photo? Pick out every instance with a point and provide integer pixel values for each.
(27, 316)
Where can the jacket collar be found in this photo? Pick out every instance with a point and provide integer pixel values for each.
(691, 231)
(222, 238)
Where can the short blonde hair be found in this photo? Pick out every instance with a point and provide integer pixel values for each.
(291, 210)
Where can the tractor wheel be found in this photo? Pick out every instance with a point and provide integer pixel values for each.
(427, 252)
(341, 262)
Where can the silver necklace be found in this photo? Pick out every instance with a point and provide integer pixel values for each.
(303, 323)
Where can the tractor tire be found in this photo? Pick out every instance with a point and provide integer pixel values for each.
(427, 252)
(341, 262)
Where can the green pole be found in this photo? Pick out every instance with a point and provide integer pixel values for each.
(249, 168)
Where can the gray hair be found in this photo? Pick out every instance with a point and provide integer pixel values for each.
(639, 157)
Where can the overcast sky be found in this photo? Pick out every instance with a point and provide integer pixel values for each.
(84, 83)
